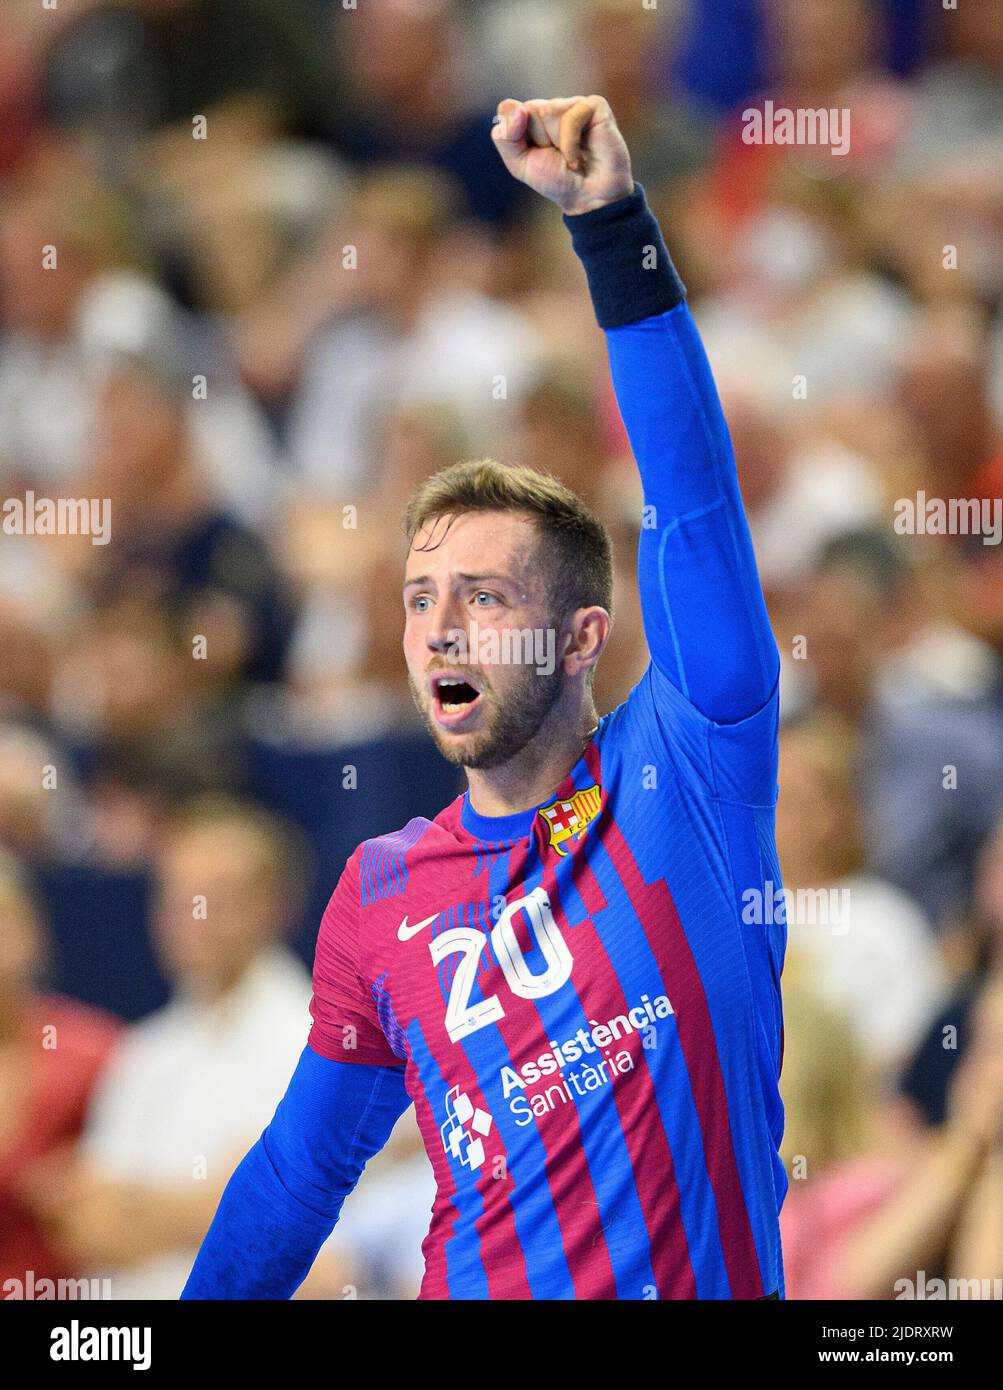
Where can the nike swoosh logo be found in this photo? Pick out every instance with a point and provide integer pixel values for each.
(405, 932)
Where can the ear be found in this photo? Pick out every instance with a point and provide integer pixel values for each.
(587, 632)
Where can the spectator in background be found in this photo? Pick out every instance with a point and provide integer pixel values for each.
(959, 101)
(407, 324)
(52, 1051)
(560, 430)
(125, 69)
(865, 1208)
(372, 304)
(84, 831)
(42, 815)
(876, 657)
(624, 44)
(136, 78)
(61, 328)
(978, 598)
(44, 392)
(141, 727)
(191, 1085)
(943, 388)
(173, 543)
(343, 673)
(526, 46)
(27, 643)
(791, 307)
(20, 102)
(868, 948)
(384, 1222)
(800, 490)
(821, 55)
(927, 1079)
(406, 100)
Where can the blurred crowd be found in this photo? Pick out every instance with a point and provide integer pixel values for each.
(260, 274)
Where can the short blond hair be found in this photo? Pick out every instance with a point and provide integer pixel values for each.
(574, 546)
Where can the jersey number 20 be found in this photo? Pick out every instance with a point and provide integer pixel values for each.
(462, 1017)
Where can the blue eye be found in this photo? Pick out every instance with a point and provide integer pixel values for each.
(482, 593)
(415, 602)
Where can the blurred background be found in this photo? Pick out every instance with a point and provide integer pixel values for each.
(262, 331)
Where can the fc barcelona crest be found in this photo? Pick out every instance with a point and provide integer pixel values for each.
(569, 819)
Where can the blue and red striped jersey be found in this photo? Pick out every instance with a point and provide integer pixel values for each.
(587, 1012)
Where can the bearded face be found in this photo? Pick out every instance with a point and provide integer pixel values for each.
(472, 585)
(499, 726)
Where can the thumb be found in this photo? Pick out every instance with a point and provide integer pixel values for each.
(509, 134)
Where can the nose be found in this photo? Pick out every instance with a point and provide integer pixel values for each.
(447, 622)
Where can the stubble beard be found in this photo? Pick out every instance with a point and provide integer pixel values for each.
(515, 724)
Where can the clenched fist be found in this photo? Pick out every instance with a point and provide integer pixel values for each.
(569, 149)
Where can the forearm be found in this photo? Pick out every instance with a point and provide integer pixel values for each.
(977, 1249)
(285, 1197)
(703, 606)
(262, 1242)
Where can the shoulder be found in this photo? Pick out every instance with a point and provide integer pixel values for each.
(730, 762)
(376, 867)
(381, 860)
(408, 834)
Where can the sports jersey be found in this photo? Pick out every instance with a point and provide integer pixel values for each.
(582, 999)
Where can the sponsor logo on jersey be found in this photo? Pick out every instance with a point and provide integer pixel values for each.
(568, 820)
(587, 1060)
(465, 1130)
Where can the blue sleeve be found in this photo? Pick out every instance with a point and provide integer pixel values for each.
(285, 1196)
(704, 613)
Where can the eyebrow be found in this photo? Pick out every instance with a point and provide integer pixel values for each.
(466, 578)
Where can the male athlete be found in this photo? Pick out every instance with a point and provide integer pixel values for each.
(561, 970)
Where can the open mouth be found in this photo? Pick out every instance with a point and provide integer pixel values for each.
(454, 699)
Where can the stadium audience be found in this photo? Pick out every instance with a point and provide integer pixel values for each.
(872, 1213)
(189, 1087)
(977, 994)
(920, 691)
(52, 1051)
(257, 337)
(869, 946)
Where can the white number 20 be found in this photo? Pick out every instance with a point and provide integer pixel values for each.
(462, 1017)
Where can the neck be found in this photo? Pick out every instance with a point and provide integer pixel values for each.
(532, 774)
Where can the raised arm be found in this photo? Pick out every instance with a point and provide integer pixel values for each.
(704, 614)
